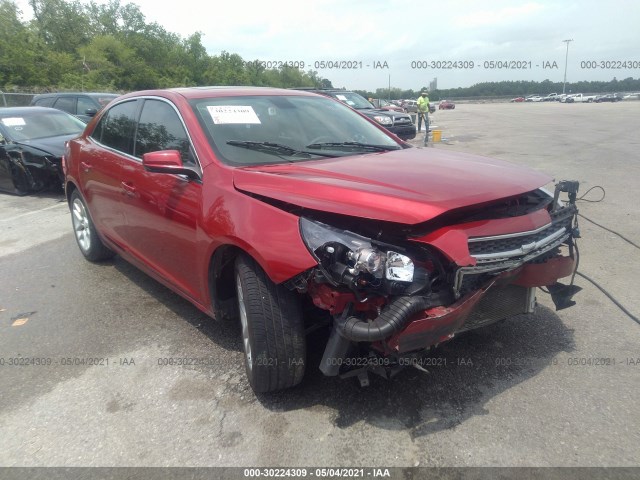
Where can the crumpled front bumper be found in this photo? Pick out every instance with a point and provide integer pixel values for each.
(510, 293)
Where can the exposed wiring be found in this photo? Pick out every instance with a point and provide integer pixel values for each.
(604, 193)
(596, 284)
(587, 192)
(619, 305)
(575, 270)
(609, 230)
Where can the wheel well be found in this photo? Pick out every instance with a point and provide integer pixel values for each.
(69, 189)
(222, 285)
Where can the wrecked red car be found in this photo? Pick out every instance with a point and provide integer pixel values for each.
(288, 211)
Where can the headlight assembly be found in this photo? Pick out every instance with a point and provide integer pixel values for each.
(347, 256)
(383, 120)
(399, 267)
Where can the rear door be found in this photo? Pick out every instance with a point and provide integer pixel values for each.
(163, 210)
(100, 169)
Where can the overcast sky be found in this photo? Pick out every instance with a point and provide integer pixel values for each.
(400, 32)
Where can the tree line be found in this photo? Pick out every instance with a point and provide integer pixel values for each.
(111, 47)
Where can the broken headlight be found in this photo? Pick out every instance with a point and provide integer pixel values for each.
(351, 259)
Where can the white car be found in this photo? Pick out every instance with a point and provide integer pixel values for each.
(533, 98)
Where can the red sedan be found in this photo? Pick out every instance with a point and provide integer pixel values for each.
(446, 105)
(290, 212)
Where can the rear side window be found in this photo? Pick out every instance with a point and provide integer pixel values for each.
(116, 127)
(160, 128)
(44, 102)
(66, 104)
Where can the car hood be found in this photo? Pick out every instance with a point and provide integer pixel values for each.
(380, 111)
(51, 145)
(406, 186)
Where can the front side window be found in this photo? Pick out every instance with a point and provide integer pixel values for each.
(85, 104)
(255, 130)
(160, 128)
(116, 127)
(66, 104)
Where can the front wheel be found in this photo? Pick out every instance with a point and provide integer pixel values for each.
(85, 231)
(272, 329)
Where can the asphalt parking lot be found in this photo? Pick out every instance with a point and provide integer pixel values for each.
(549, 389)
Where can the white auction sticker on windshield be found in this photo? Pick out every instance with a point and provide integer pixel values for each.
(341, 97)
(233, 114)
(13, 121)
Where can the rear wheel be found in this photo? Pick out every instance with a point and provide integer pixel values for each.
(85, 231)
(272, 329)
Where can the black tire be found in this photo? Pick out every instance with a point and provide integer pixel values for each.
(272, 329)
(85, 231)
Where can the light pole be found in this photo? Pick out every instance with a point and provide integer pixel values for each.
(566, 58)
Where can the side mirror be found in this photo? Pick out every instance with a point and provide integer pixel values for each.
(167, 161)
(90, 112)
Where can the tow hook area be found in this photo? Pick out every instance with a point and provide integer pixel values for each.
(362, 373)
(386, 367)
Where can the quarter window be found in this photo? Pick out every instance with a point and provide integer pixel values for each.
(44, 102)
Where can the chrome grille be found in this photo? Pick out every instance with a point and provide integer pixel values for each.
(502, 253)
(402, 120)
(505, 247)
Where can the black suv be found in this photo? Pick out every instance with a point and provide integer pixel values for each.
(398, 123)
(83, 105)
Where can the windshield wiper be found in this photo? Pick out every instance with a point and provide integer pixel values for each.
(274, 148)
(352, 146)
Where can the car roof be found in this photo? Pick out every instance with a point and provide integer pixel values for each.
(8, 111)
(69, 94)
(192, 93)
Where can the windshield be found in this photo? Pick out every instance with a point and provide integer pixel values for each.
(38, 124)
(353, 99)
(257, 130)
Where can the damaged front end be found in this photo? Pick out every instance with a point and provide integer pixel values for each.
(394, 291)
(25, 169)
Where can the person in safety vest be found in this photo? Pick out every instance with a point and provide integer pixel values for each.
(423, 113)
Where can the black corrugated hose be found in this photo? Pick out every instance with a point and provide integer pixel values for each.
(393, 318)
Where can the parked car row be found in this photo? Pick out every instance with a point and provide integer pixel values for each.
(32, 138)
(399, 123)
(83, 105)
(575, 98)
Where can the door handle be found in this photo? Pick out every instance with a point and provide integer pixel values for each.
(85, 166)
(129, 189)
